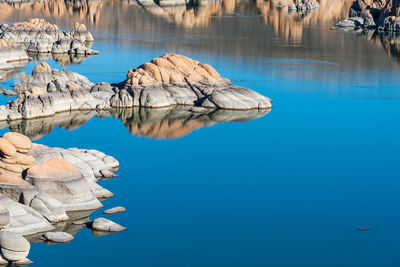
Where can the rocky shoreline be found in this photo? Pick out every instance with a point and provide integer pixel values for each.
(41, 186)
(382, 15)
(38, 39)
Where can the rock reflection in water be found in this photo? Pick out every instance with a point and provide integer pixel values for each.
(171, 122)
(62, 59)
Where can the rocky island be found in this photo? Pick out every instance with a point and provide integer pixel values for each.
(166, 81)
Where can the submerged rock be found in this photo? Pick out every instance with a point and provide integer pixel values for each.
(13, 246)
(58, 237)
(40, 36)
(114, 210)
(102, 224)
(166, 81)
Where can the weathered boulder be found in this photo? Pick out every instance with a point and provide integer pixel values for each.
(23, 219)
(102, 224)
(40, 36)
(58, 237)
(63, 181)
(13, 246)
(52, 181)
(114, 210)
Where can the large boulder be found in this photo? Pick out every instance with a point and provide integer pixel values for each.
(13, 246)
(63, 181)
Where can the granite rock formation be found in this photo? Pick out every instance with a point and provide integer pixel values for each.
(39, 184)
(166, 81)
(39, 36)
(12, 56)
(373, 14)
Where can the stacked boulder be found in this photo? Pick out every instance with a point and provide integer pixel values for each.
(40, 36)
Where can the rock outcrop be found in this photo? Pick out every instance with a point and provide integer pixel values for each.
(166, 81)
(39, 36)
(12, 55)
(373, 14)
(39, 184)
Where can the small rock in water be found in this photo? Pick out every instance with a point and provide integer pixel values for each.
(13, 246)
(102, 224)
(114, 210)
(363, 228)
(58, 237)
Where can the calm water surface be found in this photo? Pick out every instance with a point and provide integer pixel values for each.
(288, 189)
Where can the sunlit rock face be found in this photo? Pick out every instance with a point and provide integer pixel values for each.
(40, 36)
(50, 181)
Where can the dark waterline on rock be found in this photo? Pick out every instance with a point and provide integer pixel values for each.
(291, 188)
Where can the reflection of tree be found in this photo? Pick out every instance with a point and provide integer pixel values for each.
(171, 122)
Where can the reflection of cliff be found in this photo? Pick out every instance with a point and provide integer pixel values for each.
(169, 122)
(64, 11)
(250, 35)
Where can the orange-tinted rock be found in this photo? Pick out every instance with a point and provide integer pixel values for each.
(54, 168)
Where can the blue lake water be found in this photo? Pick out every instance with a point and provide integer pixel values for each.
(288, 189)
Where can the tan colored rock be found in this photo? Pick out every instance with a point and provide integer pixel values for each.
(12, 179)
(80, 27)
(6, 148)
(42, 67)
(172, 68)
(54, 168)
(19, 141)
(38, 91)
(36, 24)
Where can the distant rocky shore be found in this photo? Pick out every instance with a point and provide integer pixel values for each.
(36, 36)
(41, 186)
(383, 15)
